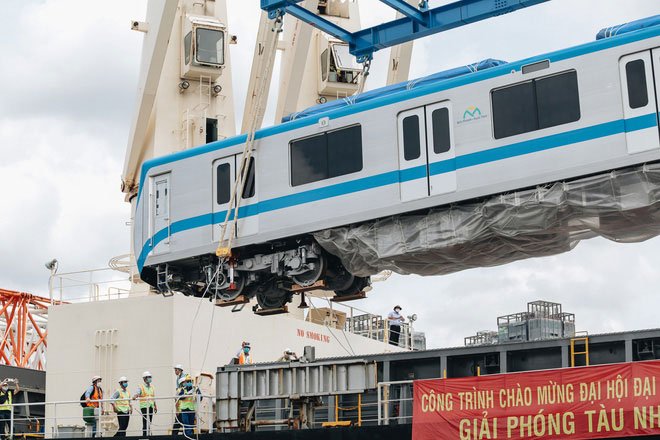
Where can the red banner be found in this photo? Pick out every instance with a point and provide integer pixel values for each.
(618, 400)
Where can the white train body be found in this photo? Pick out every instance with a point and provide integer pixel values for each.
(548, 118)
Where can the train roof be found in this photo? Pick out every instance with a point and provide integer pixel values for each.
(453, 73)
(648, 31)
(388, 90)
(624, 28)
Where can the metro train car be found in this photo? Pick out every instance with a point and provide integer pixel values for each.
(458, 136)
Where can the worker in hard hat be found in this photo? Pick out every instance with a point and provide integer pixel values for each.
(148, 407)
(92, 408)
(121, 404)
(288, 356)
(6, 405)
(178, 372)
(244, 355)
(187, 402)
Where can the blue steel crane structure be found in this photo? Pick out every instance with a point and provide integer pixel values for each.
(417, 22)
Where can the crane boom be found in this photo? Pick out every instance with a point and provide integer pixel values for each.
(160, 19)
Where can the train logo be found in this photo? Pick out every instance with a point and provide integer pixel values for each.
(472, 113)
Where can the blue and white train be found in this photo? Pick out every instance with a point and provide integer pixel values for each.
(453, 138)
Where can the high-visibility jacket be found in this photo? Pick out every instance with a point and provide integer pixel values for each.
(7, 405)
(97, 394)
(123, 402)
(147, 394)
(244, 358)
(188, 400)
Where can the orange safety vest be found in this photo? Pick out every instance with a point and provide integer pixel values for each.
(244, 359)
(97, 394)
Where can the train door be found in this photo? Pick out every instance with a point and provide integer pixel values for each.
(159, 221)
(640, 100)
(426, 152)
(413, 161)
(441, 153)
(224, 178)
(248, 219)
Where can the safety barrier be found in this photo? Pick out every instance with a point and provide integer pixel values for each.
(395, 401)
(59, 421)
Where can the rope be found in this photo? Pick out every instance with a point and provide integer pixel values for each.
(224, 249)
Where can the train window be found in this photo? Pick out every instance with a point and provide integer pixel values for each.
(411, 141)
(514, 110)
(558, 99)
(326, 155)
(309, 160)
(441, 139)
(537, 104)
(637, 88)
(248, 185)
(223, 182)
(345, 151)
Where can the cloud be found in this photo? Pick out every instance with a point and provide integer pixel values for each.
(69, 81)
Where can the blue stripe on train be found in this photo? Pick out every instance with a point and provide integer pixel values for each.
(392, 177)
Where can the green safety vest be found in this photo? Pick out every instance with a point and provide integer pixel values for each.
(122, 403)
(187, 401)
(7, 405)
(147, 396)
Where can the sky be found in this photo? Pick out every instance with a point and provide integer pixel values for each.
(69, 78)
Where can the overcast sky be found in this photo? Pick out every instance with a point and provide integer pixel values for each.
(68, 82)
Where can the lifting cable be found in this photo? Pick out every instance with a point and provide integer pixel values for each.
(224, 247)
(366, 66)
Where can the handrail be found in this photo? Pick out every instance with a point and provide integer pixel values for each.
(201, 414)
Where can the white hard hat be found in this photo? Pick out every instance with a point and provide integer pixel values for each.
(287, 350)
(123, 379)
(178, 367)
(146, 374)
(95, 378)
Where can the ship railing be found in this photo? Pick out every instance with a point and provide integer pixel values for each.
(65, 419)
(360, 322)
(89, 285)
(282, 414)
(395, 402)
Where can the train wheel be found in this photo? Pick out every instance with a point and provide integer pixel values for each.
(357, 286)
(232, 294)
(308, 278)
(272, 297)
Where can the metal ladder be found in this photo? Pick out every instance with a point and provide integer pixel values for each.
(584, 339)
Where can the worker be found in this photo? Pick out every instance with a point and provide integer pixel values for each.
(188, 404)
(148, 406)
(235, 359)
(395, 320)
(121, 404)
(93, 407)
(288, 356)
(178, 372)
(6, 406)
(244, 355)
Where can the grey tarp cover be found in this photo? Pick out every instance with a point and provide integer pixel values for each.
(622, 206)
